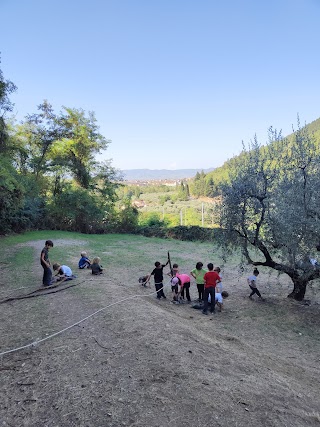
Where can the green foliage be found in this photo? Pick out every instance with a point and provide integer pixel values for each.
(6, 89)
(11, 195)
(183, 192)
(127, 217)
(151, 188)
(49, 174)
(150, 219)
(155, 230)
(191, 233)
(75, 209)
(163, 199)
(271, 203)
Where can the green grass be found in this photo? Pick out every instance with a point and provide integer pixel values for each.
(123, 251)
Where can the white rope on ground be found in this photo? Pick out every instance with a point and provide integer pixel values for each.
(35, 343)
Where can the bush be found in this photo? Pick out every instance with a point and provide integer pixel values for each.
(191, 233)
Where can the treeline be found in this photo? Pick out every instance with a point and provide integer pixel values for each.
(49, 177)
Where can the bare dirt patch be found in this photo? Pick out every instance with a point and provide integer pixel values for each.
(145, 362)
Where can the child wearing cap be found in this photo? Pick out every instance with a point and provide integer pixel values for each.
(175, 289)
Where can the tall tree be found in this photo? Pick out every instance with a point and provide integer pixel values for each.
(6, 106)
(270, 206)
(81, 142)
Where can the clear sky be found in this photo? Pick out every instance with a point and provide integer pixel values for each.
(174, 83)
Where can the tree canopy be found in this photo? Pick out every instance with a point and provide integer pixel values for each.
(271, 206)
(49, 174)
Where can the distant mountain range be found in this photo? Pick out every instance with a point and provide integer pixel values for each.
(160, 174)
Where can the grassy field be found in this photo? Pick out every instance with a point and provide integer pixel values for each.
(142, 362)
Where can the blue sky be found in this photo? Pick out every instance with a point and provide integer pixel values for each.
(174, 84)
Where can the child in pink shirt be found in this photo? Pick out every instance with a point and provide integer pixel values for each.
(184, 282)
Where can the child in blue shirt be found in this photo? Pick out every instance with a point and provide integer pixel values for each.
(84, 261)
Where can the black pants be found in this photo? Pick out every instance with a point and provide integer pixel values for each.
(159, 289)
(47, 275)
(200, 287)
(186, 287)
(254, 291)
(212, 292)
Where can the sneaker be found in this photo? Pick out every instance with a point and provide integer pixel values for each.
(163, 296)
(204, 312)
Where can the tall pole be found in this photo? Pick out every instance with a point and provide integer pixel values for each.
(181, 217)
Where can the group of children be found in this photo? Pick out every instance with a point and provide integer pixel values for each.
(207, 281)
(63, 272)
(209, 285)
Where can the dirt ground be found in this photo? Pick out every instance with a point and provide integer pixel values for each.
(148, 363)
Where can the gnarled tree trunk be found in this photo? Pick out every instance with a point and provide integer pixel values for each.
(299, 289)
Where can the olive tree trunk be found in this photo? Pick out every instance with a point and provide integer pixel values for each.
(299, 289)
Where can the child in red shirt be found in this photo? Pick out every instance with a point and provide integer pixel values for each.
(211, 278)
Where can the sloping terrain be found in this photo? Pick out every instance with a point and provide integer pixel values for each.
(144, 362)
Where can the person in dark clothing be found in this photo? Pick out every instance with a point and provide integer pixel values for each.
(157, 273)
(45, 263)
(96, 267)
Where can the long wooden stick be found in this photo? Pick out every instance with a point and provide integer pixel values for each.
(38, 293)
(170, 264)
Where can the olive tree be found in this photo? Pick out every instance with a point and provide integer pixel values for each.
(271, 206)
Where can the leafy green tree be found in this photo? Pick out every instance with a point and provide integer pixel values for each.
(80, 143)
(198, 187)
(40, 132)
(127, 218)
(6, 106)
(270, 206)
(11, 195)
(210, 188)
(150, 219)
(183, 193)
(75, 209)
(11, 188)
